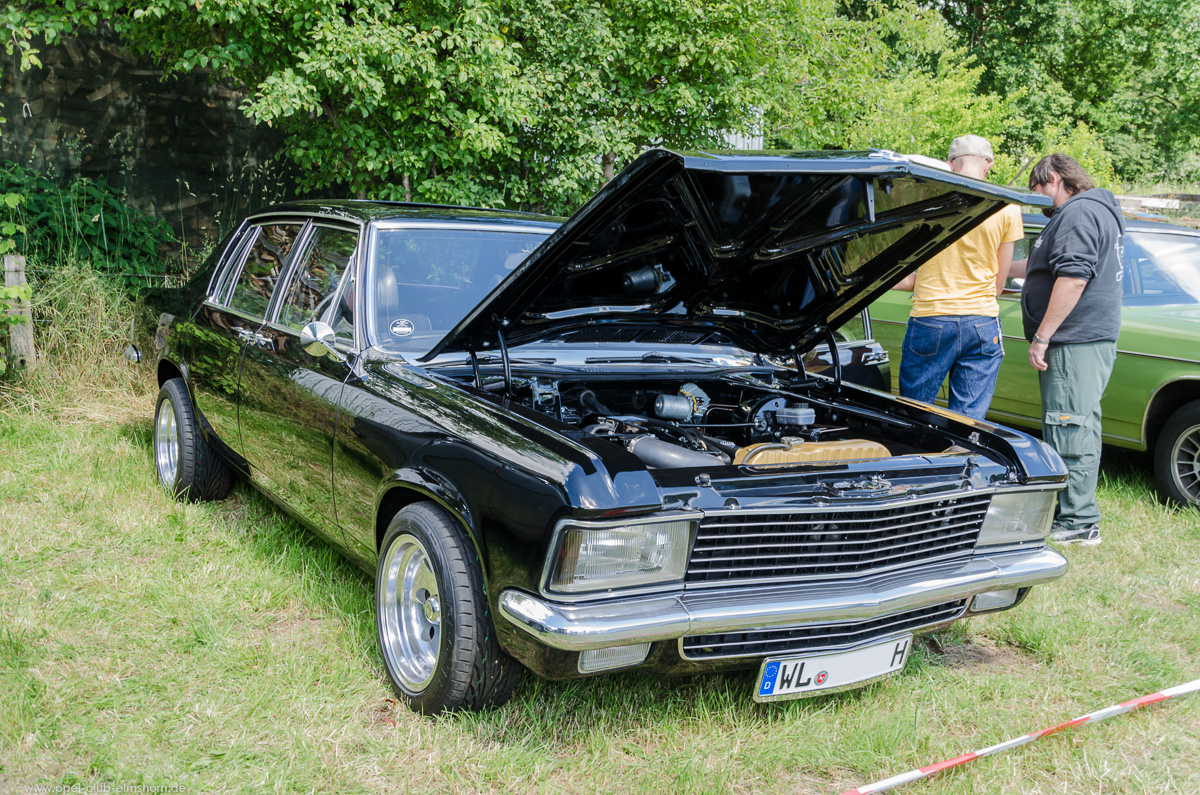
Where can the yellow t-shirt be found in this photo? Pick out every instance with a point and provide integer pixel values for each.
(962, 279)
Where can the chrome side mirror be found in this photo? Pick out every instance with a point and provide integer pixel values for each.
(317, 338)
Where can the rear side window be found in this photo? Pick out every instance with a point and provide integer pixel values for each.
(268, 252)
(324, 262)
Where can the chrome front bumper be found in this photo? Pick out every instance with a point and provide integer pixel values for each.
(618, 622)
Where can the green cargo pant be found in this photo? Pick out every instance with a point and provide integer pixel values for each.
(1072, 385)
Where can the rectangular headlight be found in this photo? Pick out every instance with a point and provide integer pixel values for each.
(596, 556)
(1018, 517)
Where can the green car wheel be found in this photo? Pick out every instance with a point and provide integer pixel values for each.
(1177, 456)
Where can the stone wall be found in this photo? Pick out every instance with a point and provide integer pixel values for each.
(177, 147)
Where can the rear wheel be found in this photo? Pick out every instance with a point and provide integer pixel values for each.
(187, 465)
(1177, 456)
(435, 631)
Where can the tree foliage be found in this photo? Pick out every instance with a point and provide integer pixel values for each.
(1125, 68)
(522, 103)
(532, 103)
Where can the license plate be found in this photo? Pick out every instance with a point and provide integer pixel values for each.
(799, 677)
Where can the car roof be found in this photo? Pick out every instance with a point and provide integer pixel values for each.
(370, 210)
(1131, 225)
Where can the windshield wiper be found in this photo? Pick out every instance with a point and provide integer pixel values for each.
(648, 358)
(485, 360)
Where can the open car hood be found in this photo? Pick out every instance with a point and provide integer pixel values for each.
(768, 252)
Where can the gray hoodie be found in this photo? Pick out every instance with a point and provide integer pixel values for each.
(1084, 240)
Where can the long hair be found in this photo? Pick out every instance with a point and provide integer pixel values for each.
(1074, 178)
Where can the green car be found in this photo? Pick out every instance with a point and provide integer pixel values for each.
(1153, 398)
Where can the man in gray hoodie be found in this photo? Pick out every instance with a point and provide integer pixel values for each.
(1071, 304)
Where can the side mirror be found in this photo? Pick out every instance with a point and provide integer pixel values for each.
(317, 338)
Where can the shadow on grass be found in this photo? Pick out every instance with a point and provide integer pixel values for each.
(275, 537)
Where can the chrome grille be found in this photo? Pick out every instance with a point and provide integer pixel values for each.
(815, 637)
(833, 542)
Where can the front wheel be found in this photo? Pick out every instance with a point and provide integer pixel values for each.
(1177, 456)
(187, 465)
(435, 632)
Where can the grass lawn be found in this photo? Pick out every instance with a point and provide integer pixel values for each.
(221, 648)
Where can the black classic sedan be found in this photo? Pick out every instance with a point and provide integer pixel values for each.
(595, 445)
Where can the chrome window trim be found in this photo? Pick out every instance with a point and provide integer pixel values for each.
(308, 215)
(224, 263)
(289, 268)
(301, 245)
(229, 270)
(300, 236)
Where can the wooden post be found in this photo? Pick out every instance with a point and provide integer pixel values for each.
(20, 334)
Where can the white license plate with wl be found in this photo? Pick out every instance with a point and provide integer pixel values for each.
(798, 677)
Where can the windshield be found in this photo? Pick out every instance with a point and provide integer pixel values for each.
(1164, 269)
(422, 282)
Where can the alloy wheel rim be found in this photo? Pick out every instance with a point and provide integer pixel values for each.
(166, 443)
(1185, 463)
(410, 613)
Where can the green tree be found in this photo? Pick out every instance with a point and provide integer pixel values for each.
(615, 77)
(918, 89)
(1125, 68)
(524, 103)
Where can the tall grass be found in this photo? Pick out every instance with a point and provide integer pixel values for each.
(82, 321)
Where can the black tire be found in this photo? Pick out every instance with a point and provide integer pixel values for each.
(431, 614)
(187, 465)
(1177, 456)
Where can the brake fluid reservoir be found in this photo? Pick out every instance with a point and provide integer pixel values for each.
(800, 415)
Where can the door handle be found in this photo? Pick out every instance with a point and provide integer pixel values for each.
(254, 338)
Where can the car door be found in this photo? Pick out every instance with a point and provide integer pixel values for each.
(1018, 398)
(214, 341)
(863, 360)
(288, 398)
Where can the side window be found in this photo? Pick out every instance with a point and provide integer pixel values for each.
(330, 253)
(343, 312)
(853, 330)
(1023, 246)
(268, 252)
(1160, 268)
(1021, 250)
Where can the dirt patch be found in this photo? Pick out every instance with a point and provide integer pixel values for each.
(384, 713)
(1161, 605)
(298, 632)
(978, 652)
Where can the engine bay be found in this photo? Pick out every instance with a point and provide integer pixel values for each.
(717, 422)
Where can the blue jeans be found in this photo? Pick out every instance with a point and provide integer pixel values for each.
(968, 348)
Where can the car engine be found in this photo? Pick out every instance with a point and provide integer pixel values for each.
(716, 423)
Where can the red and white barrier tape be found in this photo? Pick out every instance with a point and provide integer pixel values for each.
(1093, 717)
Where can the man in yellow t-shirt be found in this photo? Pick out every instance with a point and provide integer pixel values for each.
(954, 326)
